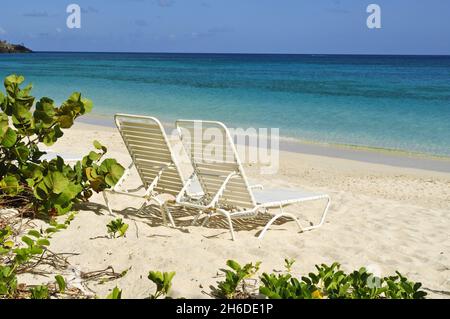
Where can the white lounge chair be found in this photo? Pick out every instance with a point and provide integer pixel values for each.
(226, 189)
(151, 154)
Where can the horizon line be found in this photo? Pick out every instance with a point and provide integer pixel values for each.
(249, 53)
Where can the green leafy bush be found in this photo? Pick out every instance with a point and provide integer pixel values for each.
(288, 263)
(116, 293)
(284, 286)
(39, 292)
(234, 283)
(17, 257)
(117, 226)
(5, 243)
(41, 187)
(331, 282)
(61, 282)
(8, 281)
(399, 287)
(163, 282)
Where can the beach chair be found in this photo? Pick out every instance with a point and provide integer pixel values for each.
(152, 156)
(219, 171)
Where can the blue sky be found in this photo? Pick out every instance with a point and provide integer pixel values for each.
(244, 26)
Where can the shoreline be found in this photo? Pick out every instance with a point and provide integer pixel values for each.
(396, 158)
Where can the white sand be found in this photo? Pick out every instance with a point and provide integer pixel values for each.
(387, 218)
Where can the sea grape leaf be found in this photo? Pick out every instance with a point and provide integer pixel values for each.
(113, 171)
(9, 138)
(61, 283)
(56, 182)
(99, 146)
(27, 240)
(34, 233)
(52, 136)
(65, 121)
(88, 105)
(10, 185)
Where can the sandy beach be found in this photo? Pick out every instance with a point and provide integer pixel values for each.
(227, 151)
(383, 217)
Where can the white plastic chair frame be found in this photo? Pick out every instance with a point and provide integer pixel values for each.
(214, 208)
(154, 165)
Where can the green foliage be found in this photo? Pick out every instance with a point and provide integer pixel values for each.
(39, 292)
(284, 286)
(14, 257)
(400, 287)
(8, 281)
(115, 294)
(163, 282)
(117, 226)
(5, 240)
(234, 282)
(335, 282)
(288, 263)
(331, 282)
(34, 247)
(61, 282)
(51, 187)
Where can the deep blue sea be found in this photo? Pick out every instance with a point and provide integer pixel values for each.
(393, 102)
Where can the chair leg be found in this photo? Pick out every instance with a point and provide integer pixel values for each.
(141, 209)
(281, 214)
(107, 203)
(196, 218)
(322, 219)
(206, 220)
(162, 209)
(166, 212)
(230, 223)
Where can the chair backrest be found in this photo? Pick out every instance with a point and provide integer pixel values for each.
(150, 150)
(214, 157)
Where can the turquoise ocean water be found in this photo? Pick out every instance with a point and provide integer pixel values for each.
(393, 102)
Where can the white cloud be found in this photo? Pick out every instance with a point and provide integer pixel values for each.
(2, 31)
